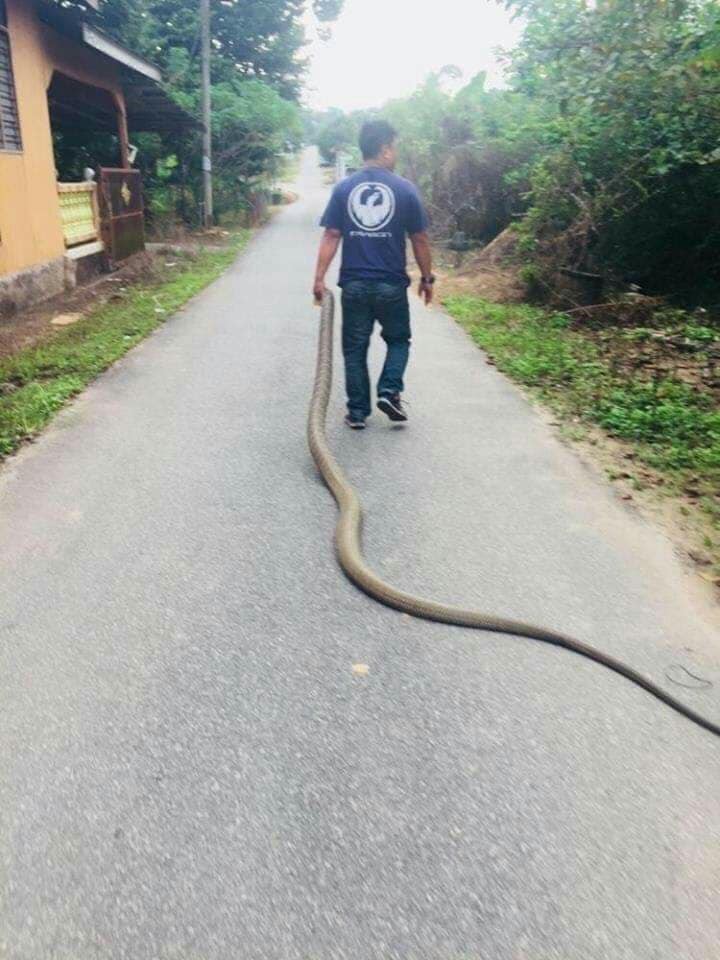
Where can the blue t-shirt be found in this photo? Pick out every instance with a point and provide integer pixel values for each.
(375, 210)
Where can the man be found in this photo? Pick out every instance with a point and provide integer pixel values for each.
(373, 212)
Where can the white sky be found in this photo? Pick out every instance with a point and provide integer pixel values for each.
(384, 48)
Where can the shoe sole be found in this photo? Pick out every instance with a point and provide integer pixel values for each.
(391, 411)
(355, 426)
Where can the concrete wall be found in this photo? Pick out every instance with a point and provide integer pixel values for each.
(30, 229)
(32, 285)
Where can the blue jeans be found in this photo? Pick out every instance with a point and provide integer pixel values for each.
(364, 302)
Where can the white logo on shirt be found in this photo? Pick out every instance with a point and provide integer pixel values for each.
(371, 206)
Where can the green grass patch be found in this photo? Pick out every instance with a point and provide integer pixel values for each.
(37, 381)
(674, 428)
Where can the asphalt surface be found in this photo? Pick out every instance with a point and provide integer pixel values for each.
(188, 766)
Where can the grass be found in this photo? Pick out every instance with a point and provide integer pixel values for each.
(673, 427)
(37, 381)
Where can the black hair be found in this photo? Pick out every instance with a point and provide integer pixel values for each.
(375, 135)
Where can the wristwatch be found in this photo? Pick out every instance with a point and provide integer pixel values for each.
(428, 281)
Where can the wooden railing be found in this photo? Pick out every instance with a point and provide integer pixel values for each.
(79, 212)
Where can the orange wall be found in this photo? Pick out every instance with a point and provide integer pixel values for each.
(30, 230)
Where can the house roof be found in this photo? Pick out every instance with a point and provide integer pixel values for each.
(149, 107)
(109, 47)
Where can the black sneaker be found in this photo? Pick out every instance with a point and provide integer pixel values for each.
(354, 424)
(391, 404)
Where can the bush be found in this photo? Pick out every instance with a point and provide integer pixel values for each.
(605, 149)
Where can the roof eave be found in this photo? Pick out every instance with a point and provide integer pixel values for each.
(116, 51)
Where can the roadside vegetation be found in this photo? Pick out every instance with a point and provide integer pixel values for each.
(37, 381)
(648, 386)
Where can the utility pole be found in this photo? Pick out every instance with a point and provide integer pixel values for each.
(207, 134)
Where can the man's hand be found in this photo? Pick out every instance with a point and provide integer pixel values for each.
(425, 292)
(328, 248)
(423, 255)
(319, 290)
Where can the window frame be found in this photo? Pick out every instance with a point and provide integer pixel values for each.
(6, 147)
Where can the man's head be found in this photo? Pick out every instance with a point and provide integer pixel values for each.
(377, 143)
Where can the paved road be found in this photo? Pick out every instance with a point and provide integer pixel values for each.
(188, 768)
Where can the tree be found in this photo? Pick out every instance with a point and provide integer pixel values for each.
(257, 74)
(336, 132)
(635, 130)
(262, 39)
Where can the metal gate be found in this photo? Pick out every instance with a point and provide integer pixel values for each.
(122, 222)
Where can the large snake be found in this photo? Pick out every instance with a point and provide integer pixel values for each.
(349, 548)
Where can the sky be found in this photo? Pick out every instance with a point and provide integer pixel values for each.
(382, 49)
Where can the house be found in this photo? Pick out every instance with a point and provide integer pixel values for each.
(65, 84)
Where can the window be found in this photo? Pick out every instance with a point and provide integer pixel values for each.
(9, 123)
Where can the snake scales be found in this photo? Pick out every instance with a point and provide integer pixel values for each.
(349, 549)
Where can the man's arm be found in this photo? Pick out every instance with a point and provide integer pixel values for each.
(423, 255)
(328, 248)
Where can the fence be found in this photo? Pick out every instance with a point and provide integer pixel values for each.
(78, 212)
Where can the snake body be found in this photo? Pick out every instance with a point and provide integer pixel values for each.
(348, 545)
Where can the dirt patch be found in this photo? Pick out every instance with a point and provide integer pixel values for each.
(65, 319)
(499, 284)
(36, 324)
(491, 273)
(649, 355)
